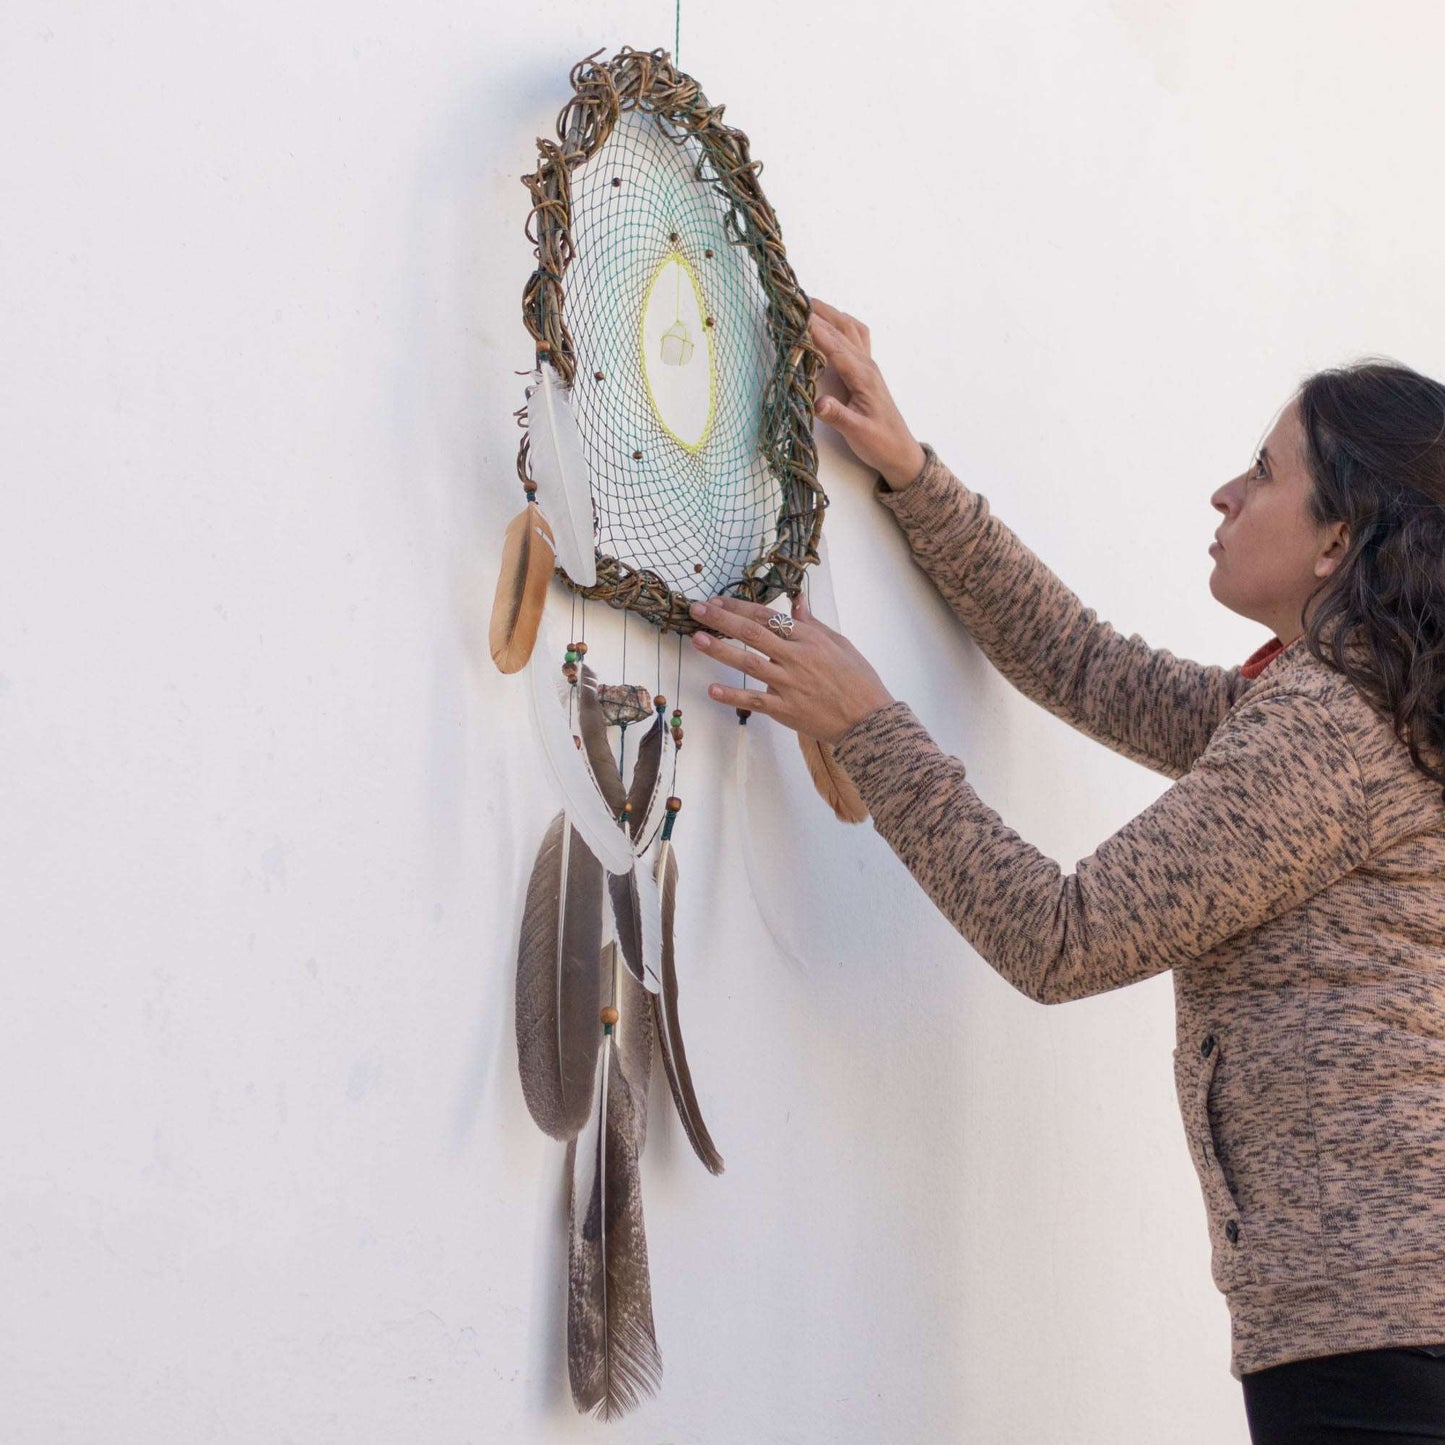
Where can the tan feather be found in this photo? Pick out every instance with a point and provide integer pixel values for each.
(833, 784)
(669, 1028)
(559, 981)
(612, 1354)
(528, 556)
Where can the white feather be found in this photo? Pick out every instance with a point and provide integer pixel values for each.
(650, 896)
(559, 468)
(576, 791)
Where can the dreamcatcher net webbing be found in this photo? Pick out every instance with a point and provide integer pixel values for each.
(702, 491)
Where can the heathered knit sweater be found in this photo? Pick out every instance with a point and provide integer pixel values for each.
(1292, 879)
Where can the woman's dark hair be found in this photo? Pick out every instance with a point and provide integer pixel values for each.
(1375, 450)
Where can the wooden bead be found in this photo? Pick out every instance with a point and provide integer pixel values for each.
(637, 456)
(677, 736)
(673, 238)
(674, 805)
(580, 648)
(659, 702)
(610, 1015)
(616, 180)
(708, 253)
(710, 321)
(599, 376)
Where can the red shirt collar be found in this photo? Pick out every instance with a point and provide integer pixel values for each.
(1261, 657)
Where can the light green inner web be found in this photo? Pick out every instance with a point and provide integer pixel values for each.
(675, 507)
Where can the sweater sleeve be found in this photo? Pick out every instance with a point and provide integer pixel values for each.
(1141, 701)
(1273, 811)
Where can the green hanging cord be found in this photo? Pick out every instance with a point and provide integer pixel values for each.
(677, 35)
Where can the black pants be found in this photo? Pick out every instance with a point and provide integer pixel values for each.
(1367, 1397)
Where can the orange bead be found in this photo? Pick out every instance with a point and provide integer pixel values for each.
(674, 805)
(610, 1015)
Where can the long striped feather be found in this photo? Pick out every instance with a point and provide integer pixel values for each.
(559, 981)
(612, 1354)
(669, 1027)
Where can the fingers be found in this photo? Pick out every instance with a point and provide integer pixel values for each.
(837, 414)
(736, 617)
(750, 699)
(845, 355)
(850, 326)
(760, 667)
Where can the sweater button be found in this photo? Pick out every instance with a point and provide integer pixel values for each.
(1231, 1231)
(1207, 1047)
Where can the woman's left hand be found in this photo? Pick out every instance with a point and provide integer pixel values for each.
(816, 681)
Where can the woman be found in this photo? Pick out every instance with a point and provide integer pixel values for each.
(1292, 878)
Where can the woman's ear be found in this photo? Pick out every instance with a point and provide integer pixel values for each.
(1334, 552)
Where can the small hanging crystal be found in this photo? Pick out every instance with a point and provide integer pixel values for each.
(676, 345)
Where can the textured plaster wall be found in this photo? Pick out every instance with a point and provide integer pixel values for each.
(266, 811)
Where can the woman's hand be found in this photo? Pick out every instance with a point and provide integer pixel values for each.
(816, 681)
(866, 417)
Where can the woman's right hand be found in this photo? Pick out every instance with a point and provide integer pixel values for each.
(866, 417)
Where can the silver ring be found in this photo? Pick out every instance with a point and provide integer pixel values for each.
(780, 623)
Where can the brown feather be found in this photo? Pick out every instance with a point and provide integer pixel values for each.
(528, 555)
(833, 784)
(612, 1354)
(596, 747)
(646, 777)
(669, 1028)
(559, 982)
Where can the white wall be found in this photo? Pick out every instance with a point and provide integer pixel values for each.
(267, 811)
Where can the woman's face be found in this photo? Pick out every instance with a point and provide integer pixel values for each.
(1269, 555)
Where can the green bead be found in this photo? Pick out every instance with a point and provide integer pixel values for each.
(572, 656)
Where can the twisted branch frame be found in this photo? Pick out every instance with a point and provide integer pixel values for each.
(648, 81)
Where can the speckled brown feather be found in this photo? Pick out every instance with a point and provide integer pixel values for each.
(612, 1354)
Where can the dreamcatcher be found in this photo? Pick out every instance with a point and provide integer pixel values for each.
(668, 431)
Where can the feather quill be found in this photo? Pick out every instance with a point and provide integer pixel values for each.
(528, 555)
(559, 467)
(575, 788)
(559, 981)
(612, 1354)
(834, 786)
(669, 1029)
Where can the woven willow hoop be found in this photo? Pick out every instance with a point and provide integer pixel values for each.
(647, 81)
